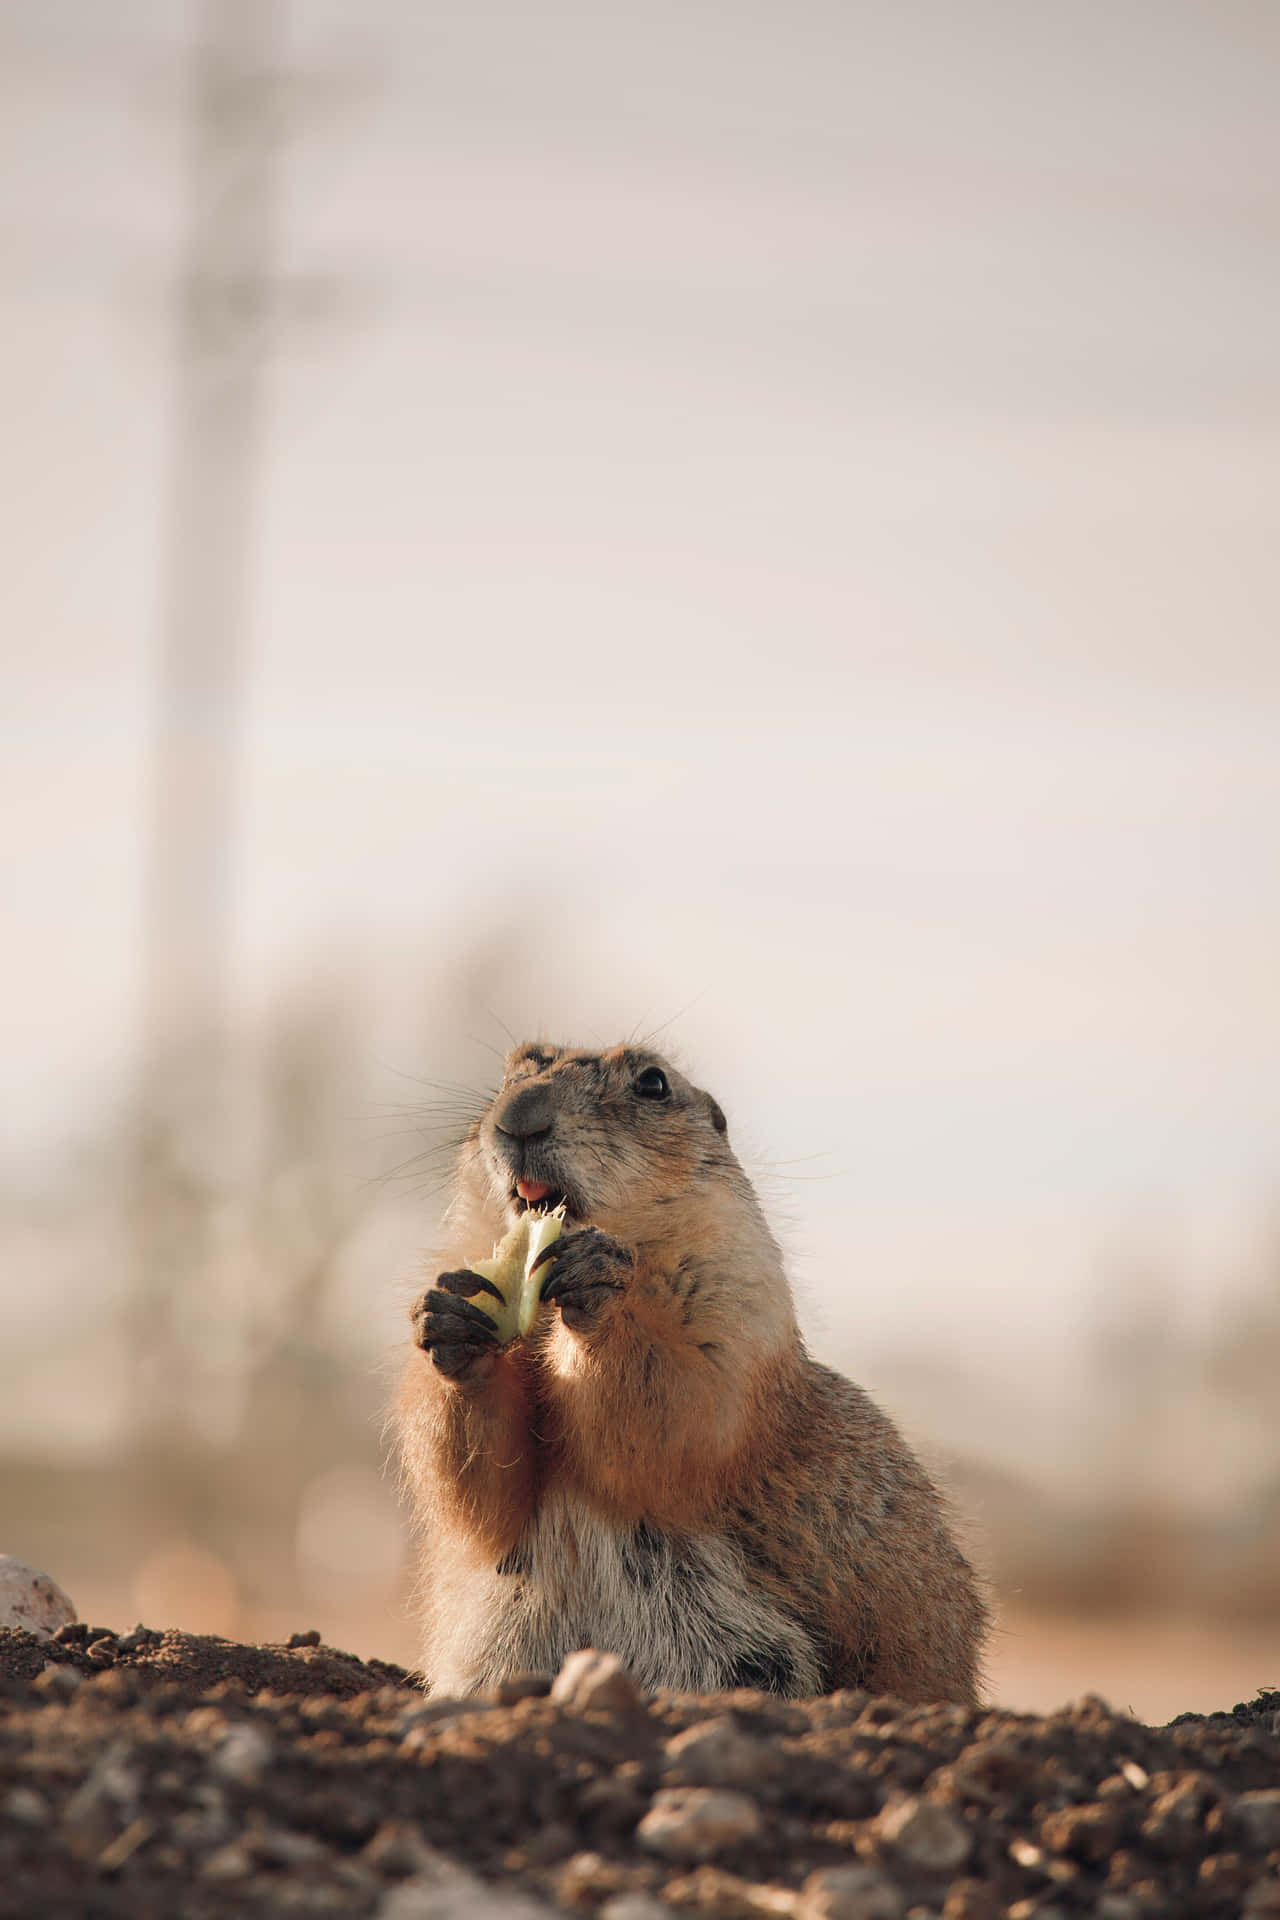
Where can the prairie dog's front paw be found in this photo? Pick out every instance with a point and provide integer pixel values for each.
(459, 1336)
(589, 1272)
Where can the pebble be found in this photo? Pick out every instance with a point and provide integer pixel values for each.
(56, 1682)
(138, 1636)
(635, 1906)
(227, 1863)
(280, 1847)
(24, 1804)
(462, 1898)
(242, 1755)
(590, 1679)
(693, 1823)
(1176, 1816)
(31, 1599)
(850, 1893)
(925, 1835)
(397, 1847)
(1256, 1818)
(1091, 1832)
(716, 1753)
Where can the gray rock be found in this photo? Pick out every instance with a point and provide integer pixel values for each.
(695, 1823)
(592, 1679)
(850, 1893)
(229, 1863)
(242, 1755)
(925, 1835)
(56, 1682)
(281, 1847)
(716, 1753)
(30, 1599)
(25, 1805)
(1256, 1818)
(459, 1896)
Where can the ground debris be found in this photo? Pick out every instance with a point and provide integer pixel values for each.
(152, 1773)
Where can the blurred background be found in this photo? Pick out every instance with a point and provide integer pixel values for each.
(754, 524)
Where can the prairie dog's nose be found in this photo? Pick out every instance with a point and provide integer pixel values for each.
(525, 1112)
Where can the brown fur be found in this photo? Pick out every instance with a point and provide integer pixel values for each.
(661, 1462)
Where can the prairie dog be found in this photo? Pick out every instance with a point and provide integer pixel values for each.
(659, 1470)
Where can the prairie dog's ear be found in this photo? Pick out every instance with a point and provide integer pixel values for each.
(716, 1111)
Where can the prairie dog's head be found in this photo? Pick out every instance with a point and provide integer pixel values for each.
(617, 1138)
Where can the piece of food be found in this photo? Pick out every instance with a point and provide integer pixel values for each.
(510, 1268)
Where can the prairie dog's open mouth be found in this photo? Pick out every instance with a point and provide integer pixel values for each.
(539, 1196)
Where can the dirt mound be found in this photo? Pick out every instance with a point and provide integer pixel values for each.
(162, 1774)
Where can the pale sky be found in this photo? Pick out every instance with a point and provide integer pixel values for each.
(786, 509)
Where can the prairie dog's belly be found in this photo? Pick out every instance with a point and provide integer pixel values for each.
(678, 1611)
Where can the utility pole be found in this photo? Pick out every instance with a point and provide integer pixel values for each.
(225, 298)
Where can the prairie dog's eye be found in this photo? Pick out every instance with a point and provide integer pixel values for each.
(652, 1084)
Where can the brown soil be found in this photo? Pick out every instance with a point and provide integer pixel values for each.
(169, 1774)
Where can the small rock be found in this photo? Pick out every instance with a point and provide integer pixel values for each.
(1090, 1833)
(464, 1897)
(589, 1679)
(635, 1906)
(693, 1823)
(56, 1682)
(1117, 1906)
(1138, 1777)
(398, 1848)
(243, 1755)
(850, 1893)
(586, 1878)
(1176, 1817)
(925, 1835)
(27, 1806)
(280, 1847)
(1256, 1819)
(227, 1863)
(31, 1600)
(311, 1638)
(716, 1753)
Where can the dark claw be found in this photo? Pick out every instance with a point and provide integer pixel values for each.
(562, 1284)
(592, 1267)
(453, 1332)
(447, 1307)
(548, 1253)
(466, 1282)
